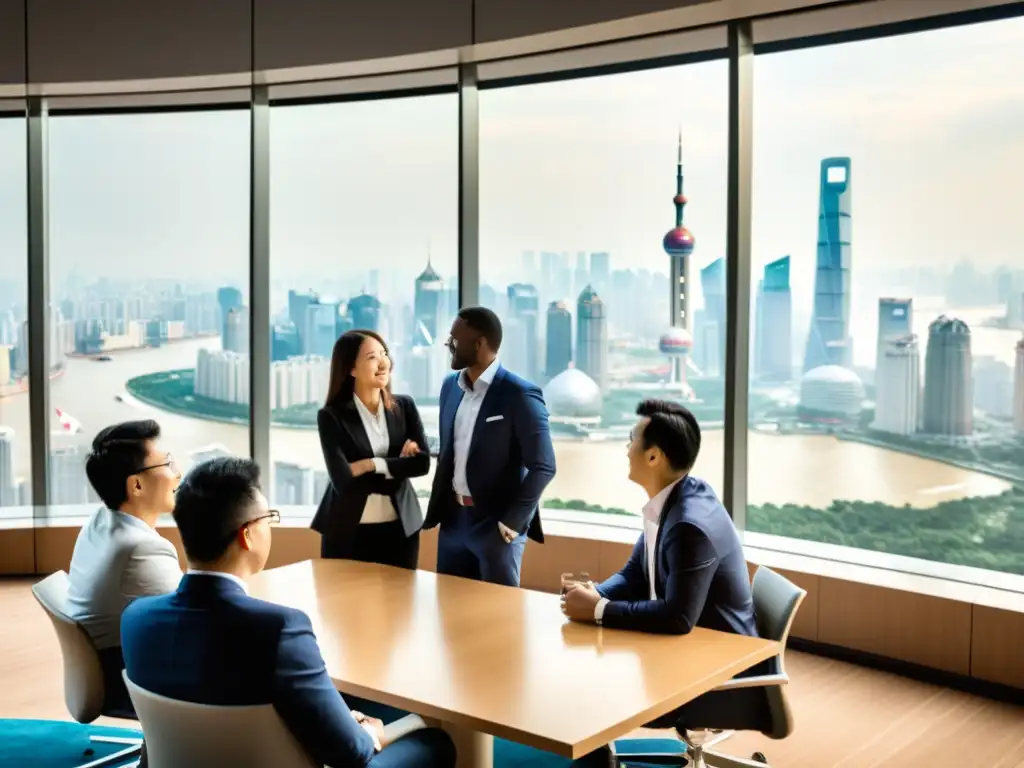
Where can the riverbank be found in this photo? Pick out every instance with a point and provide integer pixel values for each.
(20, 387)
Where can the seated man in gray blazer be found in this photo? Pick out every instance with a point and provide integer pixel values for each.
(119, 556)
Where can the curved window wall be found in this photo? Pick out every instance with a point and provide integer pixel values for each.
(364, 223)
(888, 369)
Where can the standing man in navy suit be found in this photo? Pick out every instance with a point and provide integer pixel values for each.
(496, 458)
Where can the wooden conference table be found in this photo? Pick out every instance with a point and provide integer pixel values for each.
(494, 661)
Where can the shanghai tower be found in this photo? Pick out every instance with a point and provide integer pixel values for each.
(828, 342)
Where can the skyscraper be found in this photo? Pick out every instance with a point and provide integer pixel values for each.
(948, 384)
(364, 312)
(1018, 388)
(600, 270)
(898, 385)
(236, 331)
(773, 335)
(427, 305)
(559, 339)
(828, 342)
(228, 298)
(298, 305)
(895, 321)
(8, 486)
(592, 337)
(709, 329)
(521, 334)
(320, 329)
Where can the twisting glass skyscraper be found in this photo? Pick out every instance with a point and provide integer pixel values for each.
(828, 342)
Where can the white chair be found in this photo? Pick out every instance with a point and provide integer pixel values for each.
(181, 733)
(776, 600)
(84, 689)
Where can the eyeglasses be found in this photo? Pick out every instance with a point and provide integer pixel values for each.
(273, 516)
(168, 462)
(452, 343)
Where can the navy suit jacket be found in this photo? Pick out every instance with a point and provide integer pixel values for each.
(210, 643)
(700, 572)
(511, 459)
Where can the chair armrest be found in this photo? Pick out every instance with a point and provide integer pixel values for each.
(758, 681)
(400, 728)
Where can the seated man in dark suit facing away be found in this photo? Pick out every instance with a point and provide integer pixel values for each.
(210, 643)
(687, 568)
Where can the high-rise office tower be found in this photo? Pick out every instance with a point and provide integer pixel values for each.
(364, 312)
(773, 331)
(1018, 388)
(559, 339)
(600, 270)
(320, 329)
(592, 337)
(427, 306)
(228, 299)
(298, 306)
(521, 333)
(427, 354)
(948, 384)
(8, 485)
(68, 482)
(828, 342)
(293, 484)
(895, 321)
(236, 331)
(993, 386)
(709, 330)
(898, 386)
(678, 244)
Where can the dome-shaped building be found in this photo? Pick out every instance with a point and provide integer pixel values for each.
(830, 393)
(573, 397)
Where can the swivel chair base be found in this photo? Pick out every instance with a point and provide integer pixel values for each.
(133, 748)
(698, 755)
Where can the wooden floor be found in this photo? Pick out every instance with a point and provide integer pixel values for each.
(845, 715)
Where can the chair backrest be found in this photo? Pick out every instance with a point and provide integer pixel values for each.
(83, 676)
(776, 600)
(202, 736)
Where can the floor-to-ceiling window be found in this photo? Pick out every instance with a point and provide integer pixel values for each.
(15, 437)
(364, 222)
(592, 191)
(149, 263)
(887, 384)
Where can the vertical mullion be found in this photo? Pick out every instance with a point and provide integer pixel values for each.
(39, 315)
(469, 187)
(738, 252)
(259, 279)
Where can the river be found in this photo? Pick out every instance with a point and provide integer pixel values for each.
(800, 469)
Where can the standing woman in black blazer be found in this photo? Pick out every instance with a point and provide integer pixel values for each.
(373, 442)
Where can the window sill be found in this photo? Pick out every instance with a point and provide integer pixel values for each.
(976, 586)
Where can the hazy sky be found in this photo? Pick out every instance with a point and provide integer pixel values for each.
(933, 122)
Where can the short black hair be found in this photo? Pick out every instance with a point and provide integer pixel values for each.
(118, 452)
(213, 502)
(485, 322)
(672, 428)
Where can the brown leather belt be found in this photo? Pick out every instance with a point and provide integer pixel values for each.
(464, 501)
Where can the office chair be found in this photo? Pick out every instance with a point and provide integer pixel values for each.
(776, 600)
(84, 689)
(180, 733)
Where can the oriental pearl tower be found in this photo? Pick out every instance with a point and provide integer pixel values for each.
(678, 244)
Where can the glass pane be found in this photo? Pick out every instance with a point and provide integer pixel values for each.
(590, 191)
(15, 437)
(149, 255)
(887, 394)
(364, 235)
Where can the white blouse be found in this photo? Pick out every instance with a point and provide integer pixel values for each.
(378, 509)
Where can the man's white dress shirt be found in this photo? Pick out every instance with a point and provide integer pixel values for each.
(473, 394)
(651, 513)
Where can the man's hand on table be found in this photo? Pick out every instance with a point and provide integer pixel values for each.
(579, 602)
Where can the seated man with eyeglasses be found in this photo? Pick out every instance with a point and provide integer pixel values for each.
(211, 643)
(119, 556)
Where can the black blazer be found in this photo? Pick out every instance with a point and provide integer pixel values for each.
(344, 440)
